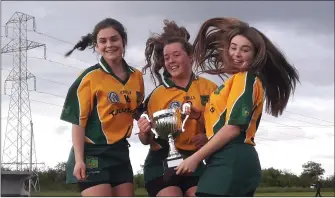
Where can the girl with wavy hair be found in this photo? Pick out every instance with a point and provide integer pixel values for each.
(258, 75)
(169, 58)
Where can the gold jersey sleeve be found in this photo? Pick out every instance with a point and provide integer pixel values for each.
(239, 101)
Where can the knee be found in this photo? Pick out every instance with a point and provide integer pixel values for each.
(191, 192)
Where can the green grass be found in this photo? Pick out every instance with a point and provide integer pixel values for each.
(141, 192)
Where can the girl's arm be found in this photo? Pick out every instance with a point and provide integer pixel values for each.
(78, 139)
(220, 139)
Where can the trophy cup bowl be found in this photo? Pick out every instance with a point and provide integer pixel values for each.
(167, 124)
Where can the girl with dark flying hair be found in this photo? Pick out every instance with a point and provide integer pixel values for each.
(171, 54)
(100, 104)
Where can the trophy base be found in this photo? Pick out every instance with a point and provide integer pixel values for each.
(169, 165)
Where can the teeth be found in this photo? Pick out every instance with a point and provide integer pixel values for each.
(174, 67)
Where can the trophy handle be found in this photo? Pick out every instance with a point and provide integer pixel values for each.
(186, 105)
(152, 130)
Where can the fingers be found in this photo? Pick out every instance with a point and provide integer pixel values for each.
(80, 174)
(195, 138)
(181, 170)
(83, 173)
(144, 125)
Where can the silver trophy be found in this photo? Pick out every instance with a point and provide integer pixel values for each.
(167, 124)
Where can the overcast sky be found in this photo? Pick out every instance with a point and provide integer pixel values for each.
(304, 31)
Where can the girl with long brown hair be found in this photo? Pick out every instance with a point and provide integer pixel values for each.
(257, 72)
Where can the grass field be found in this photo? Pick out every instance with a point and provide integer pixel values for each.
(142, 193)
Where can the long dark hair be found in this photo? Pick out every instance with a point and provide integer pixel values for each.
(90, 40)
(154, 58)
(278, 76)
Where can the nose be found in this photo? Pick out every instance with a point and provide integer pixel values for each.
(237, 53)
(109, 43)
(171, 60)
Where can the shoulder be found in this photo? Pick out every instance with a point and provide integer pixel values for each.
(86, 75)
(244, 77)
(206, 82)
(158, 91)
(134, 70)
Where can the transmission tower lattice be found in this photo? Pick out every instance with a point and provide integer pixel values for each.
(19, 152)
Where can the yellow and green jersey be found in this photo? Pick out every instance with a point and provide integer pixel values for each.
(239, 101)
(168, 95)
(103, 104)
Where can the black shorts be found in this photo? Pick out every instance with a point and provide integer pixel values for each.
(120, 174)
(85, 185)
(183, 182)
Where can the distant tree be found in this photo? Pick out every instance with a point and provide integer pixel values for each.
(313, 170)
(270, 177)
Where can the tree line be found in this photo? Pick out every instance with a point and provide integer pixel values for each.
(53, 179)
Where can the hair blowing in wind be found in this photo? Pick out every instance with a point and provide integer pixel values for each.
(155, 45)
(278, 76)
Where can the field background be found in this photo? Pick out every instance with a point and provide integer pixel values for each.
(261, 192)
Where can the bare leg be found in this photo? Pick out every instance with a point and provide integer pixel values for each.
(191, 192)
(123, 190)
(101, 190)
(171, 191)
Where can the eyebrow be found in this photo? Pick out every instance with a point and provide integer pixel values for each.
(242, 45)
(173, 52)
(114, 36)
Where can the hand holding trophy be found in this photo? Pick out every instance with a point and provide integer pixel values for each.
(167, 124)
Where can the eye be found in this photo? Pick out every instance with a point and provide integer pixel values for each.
(102, 41)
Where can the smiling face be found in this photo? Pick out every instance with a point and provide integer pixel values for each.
(110, 44)
(241, 51)
(177, 62)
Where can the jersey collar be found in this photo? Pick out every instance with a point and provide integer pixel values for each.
(107, 69)
(104, 65)
(168, 83)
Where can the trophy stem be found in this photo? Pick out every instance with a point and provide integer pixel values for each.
(173, 149)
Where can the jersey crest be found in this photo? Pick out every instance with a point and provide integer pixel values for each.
(113, 97)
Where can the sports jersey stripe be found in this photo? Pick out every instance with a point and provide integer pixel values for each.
(165, 83)
(253, 94)
(248, 130)
(232, 108)
(254, 110)
(103, 67)
(222, 118)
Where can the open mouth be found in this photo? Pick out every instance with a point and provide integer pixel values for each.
(174, 68)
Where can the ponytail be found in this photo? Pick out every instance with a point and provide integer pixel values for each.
(82, 44)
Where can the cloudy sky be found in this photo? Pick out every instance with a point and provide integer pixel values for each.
(304, 31)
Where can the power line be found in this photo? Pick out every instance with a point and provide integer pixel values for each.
(53, 81)
(40, 78)
(46, 103)
(43, 34)
(309, 116)
(61, 40)
(49, 94)
(52, 61)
